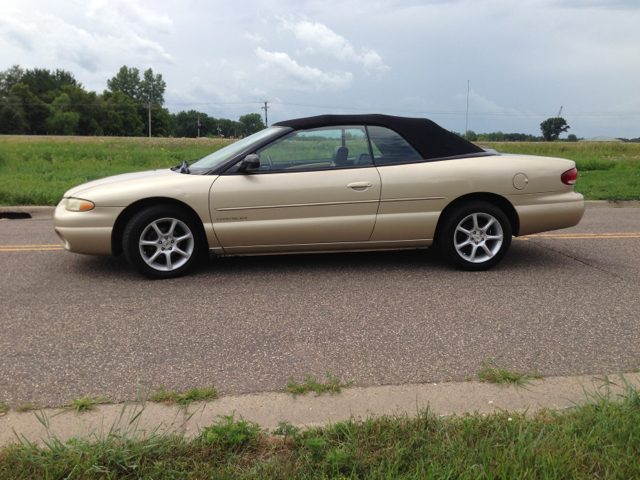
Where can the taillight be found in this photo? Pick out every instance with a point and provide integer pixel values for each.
(570, 176)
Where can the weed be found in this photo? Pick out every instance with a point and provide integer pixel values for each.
(194, 395)
(494, 373)
(286, 430)
(230, 434)
(26, 406)
(4, 408)
(84, 404)
(332, 386)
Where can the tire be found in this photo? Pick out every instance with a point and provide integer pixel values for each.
(475, 236)
(162, 241)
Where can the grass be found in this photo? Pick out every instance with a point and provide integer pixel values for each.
(26, 406)
(332, 386)
(599, 439)
(38, 170)
(607, 170)
(85, 404)
(194, 395)
(4, 408)
(500, 375)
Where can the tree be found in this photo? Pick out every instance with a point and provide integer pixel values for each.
(34, 110)
(9, 78)
(152, 88)
(252, 123)
(120, 116)
(127, 81)
(572, 138)
(62, 121)
(553, 127)
(42, 82)
(472, 136)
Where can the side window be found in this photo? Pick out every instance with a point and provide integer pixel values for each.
(389, 147)
(318, 148)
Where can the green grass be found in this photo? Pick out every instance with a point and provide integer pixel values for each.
(600, 439)
(4, 408)
(84, 404)
(501, 375)
(332, 386)
(26, 406)
(38, 170)
(607, 170)
(194, 395)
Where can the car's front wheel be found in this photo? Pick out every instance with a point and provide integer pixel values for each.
(475, 236)
(162, 242)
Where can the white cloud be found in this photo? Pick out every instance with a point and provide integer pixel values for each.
(128, 15)
(319, 37)
(276, 64)
(54, 37)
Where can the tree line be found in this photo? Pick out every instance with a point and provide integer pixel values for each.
(43, 102)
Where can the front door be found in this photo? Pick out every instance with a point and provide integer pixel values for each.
(315, 190)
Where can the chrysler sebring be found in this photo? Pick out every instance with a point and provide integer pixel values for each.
(321, 184)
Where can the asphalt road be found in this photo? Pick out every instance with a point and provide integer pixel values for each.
(73, 325)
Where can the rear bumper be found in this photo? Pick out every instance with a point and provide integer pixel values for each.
(86, 232)
(552, 211)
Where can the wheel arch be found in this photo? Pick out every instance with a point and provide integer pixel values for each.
(131, 210)
(495, 199)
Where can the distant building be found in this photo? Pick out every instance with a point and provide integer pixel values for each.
(600, 139)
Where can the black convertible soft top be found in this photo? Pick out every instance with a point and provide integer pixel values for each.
(429, 139)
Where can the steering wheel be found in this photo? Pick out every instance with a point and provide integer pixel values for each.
(270, 162)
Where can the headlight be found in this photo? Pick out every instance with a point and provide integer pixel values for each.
(79, 205)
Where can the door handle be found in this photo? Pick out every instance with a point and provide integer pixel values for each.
(359, 185)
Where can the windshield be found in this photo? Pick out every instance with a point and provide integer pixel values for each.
(220, 156)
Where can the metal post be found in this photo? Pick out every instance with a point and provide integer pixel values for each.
(466, 125)
(198, 127)
(265, 108)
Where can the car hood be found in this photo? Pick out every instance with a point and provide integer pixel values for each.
(125, 178)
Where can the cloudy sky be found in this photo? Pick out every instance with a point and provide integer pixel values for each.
(524, 59)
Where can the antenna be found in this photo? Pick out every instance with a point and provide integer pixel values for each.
(560, 111)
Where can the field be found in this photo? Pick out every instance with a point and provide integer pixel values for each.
(38, 170)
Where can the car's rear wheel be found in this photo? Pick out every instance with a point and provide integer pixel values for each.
(475, 236)
(162, 242)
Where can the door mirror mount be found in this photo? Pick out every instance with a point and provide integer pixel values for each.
(249, 163)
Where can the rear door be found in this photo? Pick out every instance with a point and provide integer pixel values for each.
(315, 190)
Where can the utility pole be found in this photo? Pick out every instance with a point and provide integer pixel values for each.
(466, 124)
(218, 126)
(265, 108)
(198, 126)
(149, 105)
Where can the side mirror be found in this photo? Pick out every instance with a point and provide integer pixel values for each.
(250, 163)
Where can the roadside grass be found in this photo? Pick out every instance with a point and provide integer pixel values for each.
(26, 406)
(196, 394)
(311, 384)
(598, 439)
(84, 404)
(501, 375)
(38, 170)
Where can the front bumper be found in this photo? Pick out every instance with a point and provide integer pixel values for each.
(86, 232)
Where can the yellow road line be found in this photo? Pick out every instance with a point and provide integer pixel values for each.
(30, 249)
(25, 246)
(585, 236)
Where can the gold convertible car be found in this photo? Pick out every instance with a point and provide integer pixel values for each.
(321, 184)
